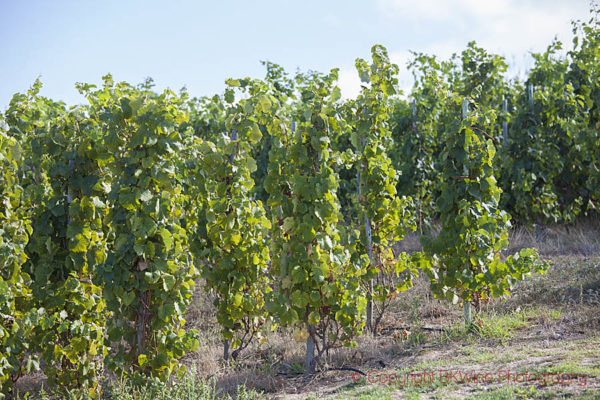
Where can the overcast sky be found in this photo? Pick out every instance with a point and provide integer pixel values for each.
(199, 44)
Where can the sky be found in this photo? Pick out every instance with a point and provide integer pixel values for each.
(199, 44)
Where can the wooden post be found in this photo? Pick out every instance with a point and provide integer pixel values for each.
(466, 304)
(369, 321)
(414, 114)
(538, 219)
(69, 195)
(465, 111)
(419, 198)
(505, 124)
(468, 316)
(226, 344)
(233, 138)
(370, 287)
(225, 349)
(530, 92)
(309, 362)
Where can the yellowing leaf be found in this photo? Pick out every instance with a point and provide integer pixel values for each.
(235, 238)
(142, 360)
(237, 300)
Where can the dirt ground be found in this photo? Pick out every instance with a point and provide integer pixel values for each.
(541, 342)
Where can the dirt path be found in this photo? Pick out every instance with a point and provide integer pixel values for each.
(529, 366)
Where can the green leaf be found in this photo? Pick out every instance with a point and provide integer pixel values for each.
(165, 311)
(254, 135)
(128, 298)
(146, 196)
(167, 238)
(168, 282)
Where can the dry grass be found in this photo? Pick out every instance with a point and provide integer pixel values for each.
(543, 318)
(561, 306)
(581, 238)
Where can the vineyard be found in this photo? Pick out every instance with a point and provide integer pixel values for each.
(283, 203)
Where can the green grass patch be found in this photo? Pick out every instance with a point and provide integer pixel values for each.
(522, 393)
(188, 387)
(501, 326)
(369, 393)
(572, 368)
(507, 393)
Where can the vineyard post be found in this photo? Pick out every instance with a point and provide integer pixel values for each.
(530, 93)
(140, 314)
(538, 225)
(309, 364)
(226, 349)
(369, 303)
(69, 194)
(414, 114)
(466, 304)
(310, 343)
(419, 199)
(369, 322)
(234, 137)
(231, 161)
(505, 125)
